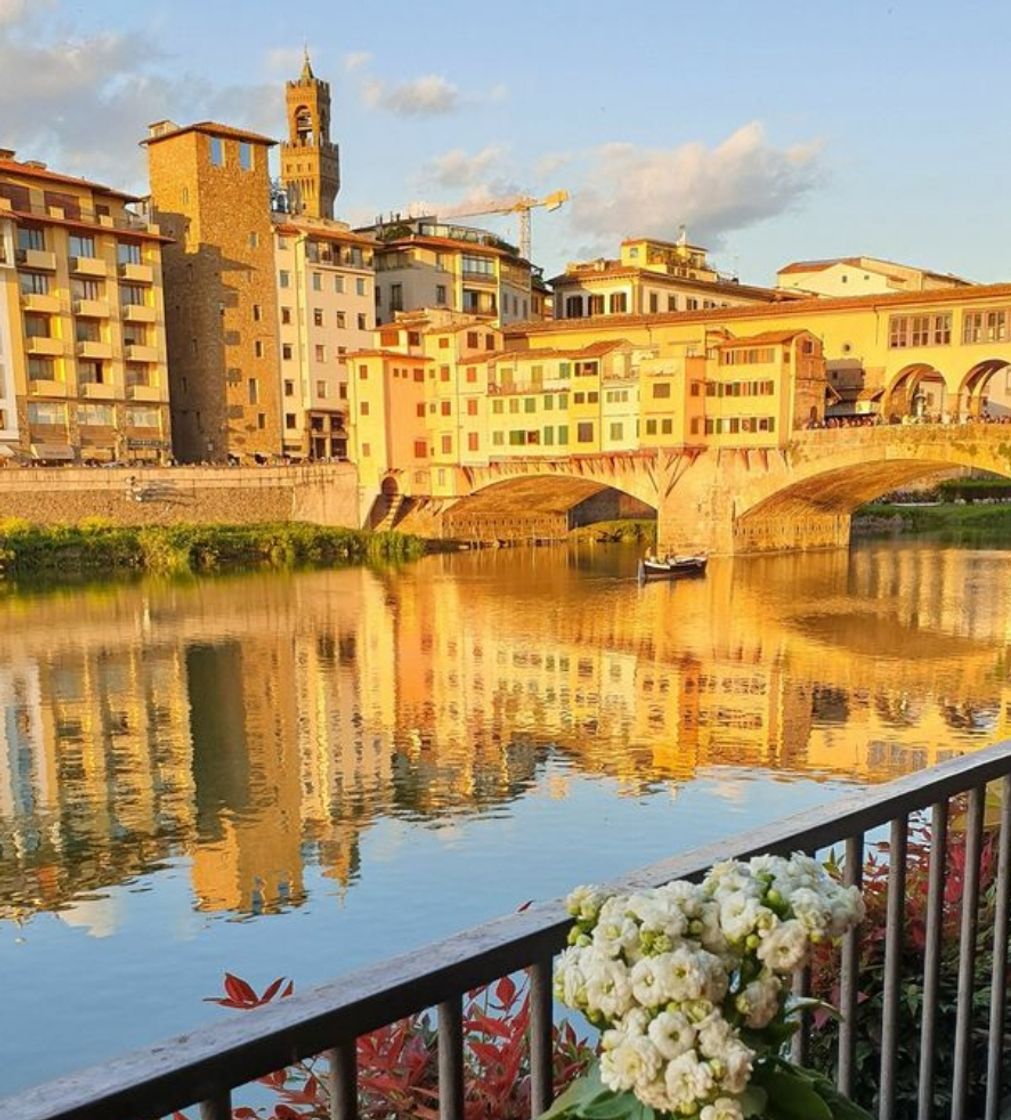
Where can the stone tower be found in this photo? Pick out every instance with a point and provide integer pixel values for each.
(310, 163)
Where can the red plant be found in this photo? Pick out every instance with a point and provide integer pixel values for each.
(398, 1064)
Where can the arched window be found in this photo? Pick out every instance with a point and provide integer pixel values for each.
(303, 125)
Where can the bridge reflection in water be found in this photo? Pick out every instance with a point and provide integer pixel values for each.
(261, 723)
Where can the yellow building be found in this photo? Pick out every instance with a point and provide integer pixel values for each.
(82, 323)
(425, 263)
(649, 278)
(210, 187)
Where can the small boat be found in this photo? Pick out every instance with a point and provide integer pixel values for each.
(673, 566)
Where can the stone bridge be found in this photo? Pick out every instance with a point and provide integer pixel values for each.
(731, 500)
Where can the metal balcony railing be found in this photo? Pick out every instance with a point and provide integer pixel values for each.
(203, 1066)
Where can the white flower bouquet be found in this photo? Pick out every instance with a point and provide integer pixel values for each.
(689, 985)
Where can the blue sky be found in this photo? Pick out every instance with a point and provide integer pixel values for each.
(774, 131)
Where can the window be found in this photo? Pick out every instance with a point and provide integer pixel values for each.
(514, 404)
(289, 420)
(472, 374)
(497, 406)
(286, 316)
(366, 451)
(497, 439)
(48, 413)
(363, 323)
(257, 313)
(549, 402)
(479, 266)
(317, 281)
(595, 305)
(695, 425)
(289, 388)
(254, 390)
(651, 427)
(261, 420)
(661, 391)
(472, 441)
(443, 373)
(472, 406)
(34, 283)
(217, 152)
(529, 404)
(143, 418)
(667, 427)
(363, 373)
(517, 438)
(584, 432)
(419, 410)
(489, 342)
(254, 240)
(320, 351)
(654, 303)
(95, 415)
(420, 449)
(363, 408)
(549, 436)
(41, 369)
(419, 375)
(360, 285)
(692, 304)
(447, 445)
(32, 237)
(574, 307)
(286, 351)
(85, 289)
(127, 252)
(618, 303)
(37, 326)
(258, 348)
(617, 431)
(132, 295)
(563, 433)
(321, 390)
(564, 369)
(245, 155)
(284, 278)
(338, 285)
(672, 303)
(941, 330)
(446, 407)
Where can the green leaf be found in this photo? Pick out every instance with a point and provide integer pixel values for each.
(791, 1096)
(618, 1106)
(580, 1094)
(754, 1101)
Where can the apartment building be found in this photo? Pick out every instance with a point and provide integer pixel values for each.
(326, 308)
(861, 276)
(651, 277)
(210, 190)
(83, 374)
(424, 263)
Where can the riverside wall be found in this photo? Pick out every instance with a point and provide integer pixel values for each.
(323, 494)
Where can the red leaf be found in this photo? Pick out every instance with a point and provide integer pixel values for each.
(244, 1113)
(239, 990)
(525, 906)
(288, 990)
(505, 989)
(270, 992)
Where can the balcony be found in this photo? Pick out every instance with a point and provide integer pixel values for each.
(43, 387)
(39, 301)
(136, 352)
(88, 266)
(136, 273)
(39, 259)
(44, 345)
(94, 349)
(150, 393)
(92, 308)
(138, 313)
(98, 391)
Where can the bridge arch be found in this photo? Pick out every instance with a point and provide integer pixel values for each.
(972, 391)
(807, 500)
(918, 389)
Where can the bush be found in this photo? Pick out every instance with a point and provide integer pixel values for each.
(825, 977)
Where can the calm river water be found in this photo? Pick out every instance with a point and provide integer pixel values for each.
(298, 774)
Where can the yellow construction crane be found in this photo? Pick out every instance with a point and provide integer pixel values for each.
(517, 204)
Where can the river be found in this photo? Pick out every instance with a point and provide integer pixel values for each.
(300, 773)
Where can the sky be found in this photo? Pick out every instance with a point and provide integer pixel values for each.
(774, 132)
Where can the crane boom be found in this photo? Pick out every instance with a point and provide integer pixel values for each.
(517, 204)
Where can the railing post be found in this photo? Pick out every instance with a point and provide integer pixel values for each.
(967, 952)
(998, 980)
(218, 1107)
(849, 966)
(932, 955)
(897, 844)
(344, 1080)
(451, 1059)
(542, 1089)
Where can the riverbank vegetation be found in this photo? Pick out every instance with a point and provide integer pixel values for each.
(638, 531)
(961, 522)
(95, 545)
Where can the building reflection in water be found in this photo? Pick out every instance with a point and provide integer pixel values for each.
(259, 724)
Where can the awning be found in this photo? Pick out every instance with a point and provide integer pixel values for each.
(52, 451)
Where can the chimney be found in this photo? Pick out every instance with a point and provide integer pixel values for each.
(37, 164)
(6, 153)
(160, 128)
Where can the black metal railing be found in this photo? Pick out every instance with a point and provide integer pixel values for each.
(202, 1067)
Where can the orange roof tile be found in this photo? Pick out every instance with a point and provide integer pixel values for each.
(379, 353)
(226, 131)
(16, 167)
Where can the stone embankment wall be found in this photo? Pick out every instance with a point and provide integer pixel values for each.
(326, 494)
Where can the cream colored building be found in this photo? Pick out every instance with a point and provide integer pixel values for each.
(650, 277)
(861, 276)
(326, 309)
(82, 338)
(424, 263)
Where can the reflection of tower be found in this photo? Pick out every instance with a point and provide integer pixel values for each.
(310, 163)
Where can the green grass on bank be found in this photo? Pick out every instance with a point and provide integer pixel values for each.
(971, 519)
(640, 531)
(94, 545)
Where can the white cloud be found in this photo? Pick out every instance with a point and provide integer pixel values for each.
(650, 192)
(429, 95)
(551, 162)
(83, 102)
(455, 169)
(357, 60)
(285, 60)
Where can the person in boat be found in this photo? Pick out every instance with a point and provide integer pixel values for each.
(651, 554)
